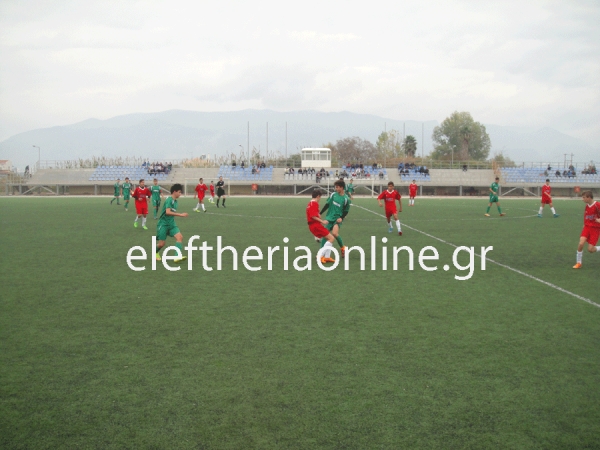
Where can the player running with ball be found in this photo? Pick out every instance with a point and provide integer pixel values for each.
(337, 207)
(166, 224)
(591, 227)
(547, 199)
(389, 197)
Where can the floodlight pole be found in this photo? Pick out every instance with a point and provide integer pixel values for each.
(39, 157)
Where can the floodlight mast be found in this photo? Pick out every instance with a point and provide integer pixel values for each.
(39, 156)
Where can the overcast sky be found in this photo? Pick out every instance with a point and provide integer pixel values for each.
(532, 63)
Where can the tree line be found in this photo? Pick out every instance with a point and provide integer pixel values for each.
(459, 137)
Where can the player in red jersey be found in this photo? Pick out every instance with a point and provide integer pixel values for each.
(200, 192)
(212, 192)
(412, 190)
(315, 225)
(591, 227)
(547, 199)
(390, 196)
(141, 195)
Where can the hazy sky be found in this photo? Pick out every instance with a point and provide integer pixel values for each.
(533, 63)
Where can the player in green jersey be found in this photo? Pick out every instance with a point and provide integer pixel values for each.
(126, 192)
(166, 224)
(350, 189)
(117, 194)
(494, 188)
(337, 207)
(155, 189)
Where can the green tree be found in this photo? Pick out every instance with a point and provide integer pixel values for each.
(410, 146)
(503, 161)
(461, 136)
(354, 150)
(389, 145)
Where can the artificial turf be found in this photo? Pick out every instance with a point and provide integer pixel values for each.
(95, 355)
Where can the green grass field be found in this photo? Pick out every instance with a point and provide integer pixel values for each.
(95, 355)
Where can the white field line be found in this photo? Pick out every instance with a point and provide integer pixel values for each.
(366, 220)
(520, 272)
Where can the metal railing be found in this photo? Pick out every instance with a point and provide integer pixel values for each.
(94, 162)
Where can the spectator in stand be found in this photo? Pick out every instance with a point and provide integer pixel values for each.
(243, 165)
(557, 173)
(565, 173)
(234, 164)
(549, 168)
(381, 175)
(464, 167)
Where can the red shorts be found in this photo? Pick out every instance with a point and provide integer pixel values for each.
(390, 212)
(318, 230)
(141, 208)
(546, 200)
(413, 195)
(200, 197)
(212, 194)
(591, 233)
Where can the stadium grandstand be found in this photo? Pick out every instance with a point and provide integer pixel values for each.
(253, 174)
(539, 176)
(270, 180)
(111, 173)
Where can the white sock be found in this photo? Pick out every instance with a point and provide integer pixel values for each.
(598, 248)
(579, 255)
(198, 206)
(541, 210)
(143, 221)
(136, 219)
(553, 210)
(389, 224)
(202, 204)
(398, 225)
(327, 252)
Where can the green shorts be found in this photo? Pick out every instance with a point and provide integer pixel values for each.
(164, 230)
(126, 197)
(493, 199)
(155, 202)
(330, 225)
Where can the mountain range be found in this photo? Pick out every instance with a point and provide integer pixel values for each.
(176, 134)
